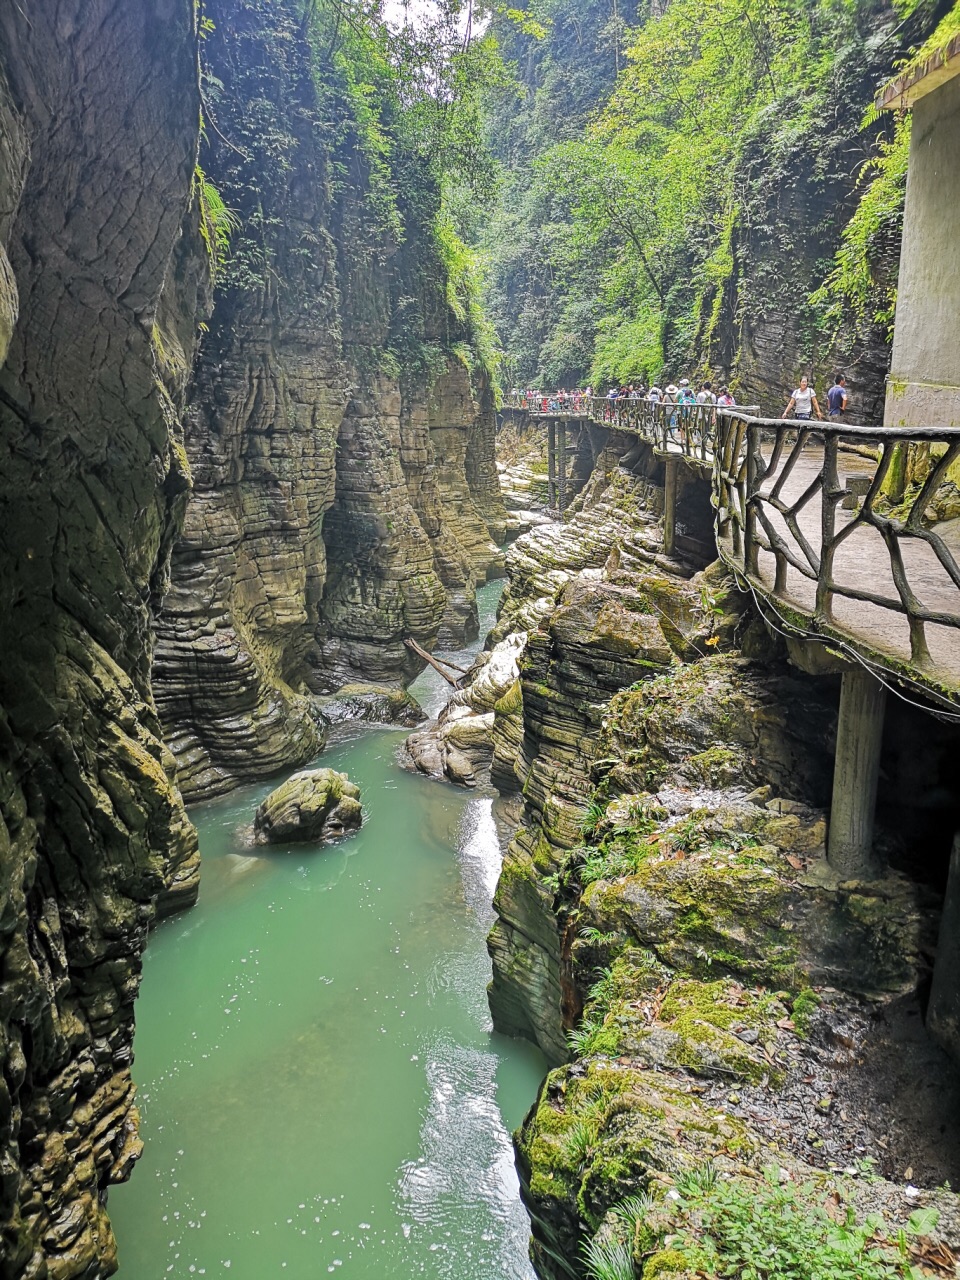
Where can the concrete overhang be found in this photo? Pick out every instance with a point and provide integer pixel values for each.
(936, 70)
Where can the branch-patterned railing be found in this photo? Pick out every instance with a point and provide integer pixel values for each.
(778, 496)
(688, 429)
(847, 562)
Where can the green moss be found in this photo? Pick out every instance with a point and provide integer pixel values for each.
(511, 704)
(706, 913)
(715, 767)
(515, 872)
(665, 1264)
(707, 1016)
(805, 1006)
(594, 1038)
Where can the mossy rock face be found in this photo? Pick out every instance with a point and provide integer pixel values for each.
(721, 721)
(314, 805)
(602, 1131)
(597, 615)
(711, 1029)
(704, 915)
(374, 703)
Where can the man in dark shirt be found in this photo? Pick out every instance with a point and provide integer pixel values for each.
(837, 396)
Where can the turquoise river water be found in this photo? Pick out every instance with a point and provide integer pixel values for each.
(320, 1087)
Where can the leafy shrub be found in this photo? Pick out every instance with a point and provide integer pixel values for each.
(775, 1230)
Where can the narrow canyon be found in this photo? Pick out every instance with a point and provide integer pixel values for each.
(538, 859)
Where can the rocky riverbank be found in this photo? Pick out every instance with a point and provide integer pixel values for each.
(737, 1035)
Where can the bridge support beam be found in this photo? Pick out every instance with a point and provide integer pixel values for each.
(943, 1013)
(552, 463)
(855, 774)
(562, 468)
(671, 468)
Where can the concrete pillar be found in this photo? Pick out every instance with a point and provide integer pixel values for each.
(943, 1014)
(562, 469)
(923, 389)
(671, 468)
(551, 463)
(855, 773)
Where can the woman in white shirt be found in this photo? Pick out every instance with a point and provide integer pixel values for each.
(802, 400)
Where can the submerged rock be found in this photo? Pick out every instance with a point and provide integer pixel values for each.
(314, 805)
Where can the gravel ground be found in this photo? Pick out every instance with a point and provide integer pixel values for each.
(867, 1084)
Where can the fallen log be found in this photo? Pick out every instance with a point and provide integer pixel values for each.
(433, 662)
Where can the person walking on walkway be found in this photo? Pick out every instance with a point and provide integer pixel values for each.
(837, 398)
(801, 402)
(686, 397)
(686, 393)
(670, 393)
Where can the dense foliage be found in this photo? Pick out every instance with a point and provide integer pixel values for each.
(855, 287)
(771, 1228)
(649, 216)
(317, 112)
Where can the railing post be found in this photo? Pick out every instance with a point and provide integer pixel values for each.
(751, 552)
(855, 774)
(737, 489)
(551, 463)
(562, 468)
(720, 479)
(671, 468)
(830, 495)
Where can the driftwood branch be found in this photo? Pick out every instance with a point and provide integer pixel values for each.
(435, 662)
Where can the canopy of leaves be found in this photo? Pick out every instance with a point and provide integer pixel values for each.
(732, 128)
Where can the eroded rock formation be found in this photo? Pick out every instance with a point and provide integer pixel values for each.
(344, 500)
(460, 742)
(101, 272)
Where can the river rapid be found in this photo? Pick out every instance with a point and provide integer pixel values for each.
(320, 1087)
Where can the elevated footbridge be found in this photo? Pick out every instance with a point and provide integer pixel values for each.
(858, 570)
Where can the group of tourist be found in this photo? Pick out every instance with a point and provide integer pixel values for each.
(677, 393)
(561, 401)
(579, 400)
(803, 403)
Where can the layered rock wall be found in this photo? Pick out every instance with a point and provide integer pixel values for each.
(98, 133)
(111, 240)
(345, 498)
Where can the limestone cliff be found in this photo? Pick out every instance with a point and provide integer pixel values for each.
(345, 497)
(98, 133)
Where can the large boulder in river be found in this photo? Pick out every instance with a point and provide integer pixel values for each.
(316, 804)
